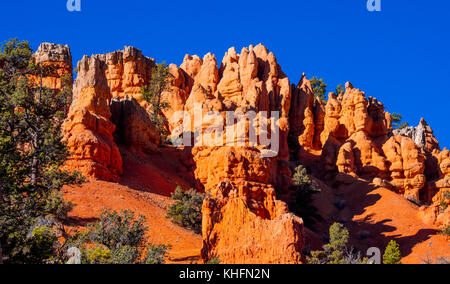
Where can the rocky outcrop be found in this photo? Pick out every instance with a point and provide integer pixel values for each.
(113, 80)
(349, 137)
(422, 135)
(237, 233)
(88, 130)
(127, 71)
(250, 81)
(406, 166)
(59, 58)
(134, 128)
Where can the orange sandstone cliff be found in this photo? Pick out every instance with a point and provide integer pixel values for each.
(347, 143)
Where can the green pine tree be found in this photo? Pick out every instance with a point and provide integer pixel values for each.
(152, 93)
(304, 197)
(392, 254)
(339, 89)
(319, 88)
(31, 156)
(397, 121)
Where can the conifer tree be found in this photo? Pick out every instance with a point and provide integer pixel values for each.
(152, 93)
(392, 254)
(31, 156)
(319, 88)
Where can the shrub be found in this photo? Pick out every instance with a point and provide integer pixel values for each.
(445, 231)
(336, 251)
(187, 210)
(42, 241)
(118, 238)
(115, 230)
(392, 254)
(444, 202)
(213, 261)
(156, 254)
(304, 193)
(97, 255)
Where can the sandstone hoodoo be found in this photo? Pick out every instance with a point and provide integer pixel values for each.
(344, 141)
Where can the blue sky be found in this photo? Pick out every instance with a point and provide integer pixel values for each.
(400, 55)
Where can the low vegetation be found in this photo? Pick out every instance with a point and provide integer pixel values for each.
(337, 251)
(445, 201)
(118, 238)
(445, 231)
(187, 209)
(213, 261)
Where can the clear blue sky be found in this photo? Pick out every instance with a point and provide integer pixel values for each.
(400, 55)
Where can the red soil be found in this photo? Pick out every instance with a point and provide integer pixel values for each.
(374, 216)
(145, 189)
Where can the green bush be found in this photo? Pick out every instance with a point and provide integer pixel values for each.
(156, 254)
(445, 231)
(336, 251)
(118, 238)
(213, 261)
(304, 197)
(445, 200)
(187, 210)
(392, 254)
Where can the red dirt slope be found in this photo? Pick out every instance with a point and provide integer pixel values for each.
(145, 189)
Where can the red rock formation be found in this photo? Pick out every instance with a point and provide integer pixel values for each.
(237, 233)
(134, 128)
(243, 222)
(301, 116)
(88, 130)
(59, 58)
(251, 81)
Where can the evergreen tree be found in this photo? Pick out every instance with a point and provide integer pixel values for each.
(187, 210)
(337, 251)
(31, 156)
(152, 93)
(392, 254)
(319, 88)
(304, 197)
(397, 121)
(339, 89)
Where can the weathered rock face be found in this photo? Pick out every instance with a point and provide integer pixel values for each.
(108, 109)
(355, 141)
(407, 166)
(88, 130)
(436, 192)
(113, 80)
(127, 71)
(134, 128)
(347, 138)
(250, 81)
(60, 59)
(301, 118)
(422, 135)
(237, 234)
